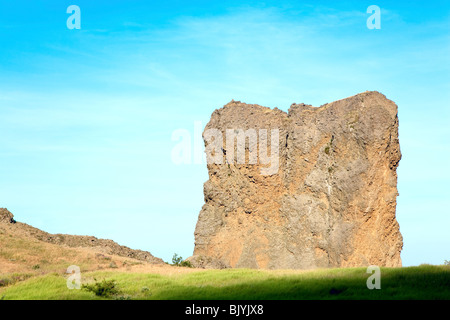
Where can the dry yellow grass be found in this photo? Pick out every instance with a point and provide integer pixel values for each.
(22, 254)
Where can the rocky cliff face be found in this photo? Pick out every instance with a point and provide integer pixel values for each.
(329, 198)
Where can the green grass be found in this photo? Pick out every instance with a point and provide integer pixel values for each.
(422, 282)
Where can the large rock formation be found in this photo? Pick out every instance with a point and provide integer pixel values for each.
(330, 202)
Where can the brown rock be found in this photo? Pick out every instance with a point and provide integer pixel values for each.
(332, 201)
(204, 262)
(6, 216)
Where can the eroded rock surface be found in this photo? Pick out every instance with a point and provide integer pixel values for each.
(332, 201)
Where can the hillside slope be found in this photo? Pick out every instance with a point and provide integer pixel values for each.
(25, 249)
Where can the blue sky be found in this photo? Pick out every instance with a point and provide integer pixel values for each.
(87, 115)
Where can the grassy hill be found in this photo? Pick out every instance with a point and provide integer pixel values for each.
(423, 282)
(35, 269)
(27, 256)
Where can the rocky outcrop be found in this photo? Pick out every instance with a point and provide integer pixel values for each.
(74, 241)
(329, 198)
(6, 216)
(203, 262)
